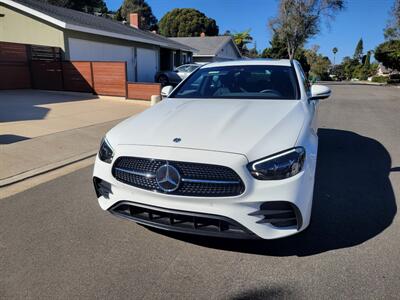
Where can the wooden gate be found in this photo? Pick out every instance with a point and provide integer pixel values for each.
(39, 67)
(14, 67)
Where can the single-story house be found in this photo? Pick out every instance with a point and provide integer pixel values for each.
(86, 37)
(211, 48)
(383, 71)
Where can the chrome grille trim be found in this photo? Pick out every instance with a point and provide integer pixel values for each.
(143, 174)
(211, 181)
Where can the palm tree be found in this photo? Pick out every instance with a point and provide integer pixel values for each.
(334, 50)
(241, 39)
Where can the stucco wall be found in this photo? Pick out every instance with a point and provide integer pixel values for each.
(103, 39)
(16, 27)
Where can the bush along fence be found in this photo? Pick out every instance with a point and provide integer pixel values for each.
(37, 67)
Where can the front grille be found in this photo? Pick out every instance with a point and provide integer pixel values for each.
(180, 221)
(197, 180)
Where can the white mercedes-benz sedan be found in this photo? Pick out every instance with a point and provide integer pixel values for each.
(230, 152)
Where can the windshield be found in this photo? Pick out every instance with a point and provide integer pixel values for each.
(240, 82)
(186, 68)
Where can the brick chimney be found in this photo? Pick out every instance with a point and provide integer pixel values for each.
(134, 20)
(203, 34)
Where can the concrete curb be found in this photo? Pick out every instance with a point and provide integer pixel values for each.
(45, 169)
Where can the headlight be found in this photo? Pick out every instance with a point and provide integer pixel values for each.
(106, 152)
(279, 166)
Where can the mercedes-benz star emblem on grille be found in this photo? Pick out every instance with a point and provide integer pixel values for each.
(168, 178)
(177, 140)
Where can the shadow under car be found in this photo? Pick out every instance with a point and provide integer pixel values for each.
(353, 200)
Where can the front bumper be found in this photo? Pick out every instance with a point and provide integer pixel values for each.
(181, 221)
(240, 211)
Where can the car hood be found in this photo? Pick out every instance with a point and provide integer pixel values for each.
(254, 128)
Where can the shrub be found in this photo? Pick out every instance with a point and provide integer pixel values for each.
(388, 53)
(395, 76)
(393, 81)
(379, 79)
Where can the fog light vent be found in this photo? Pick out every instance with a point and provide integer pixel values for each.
(279, 214)
(102, 188)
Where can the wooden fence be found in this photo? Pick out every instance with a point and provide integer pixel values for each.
(109, 78)
(14, 67)
(77, 76)
(47, 75)
(143, 90)
(19, 69)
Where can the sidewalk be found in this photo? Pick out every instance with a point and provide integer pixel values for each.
(36, 156)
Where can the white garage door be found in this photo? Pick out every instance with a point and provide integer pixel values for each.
(95, 51)
(147, 64)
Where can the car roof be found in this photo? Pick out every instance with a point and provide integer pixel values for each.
(250, 62)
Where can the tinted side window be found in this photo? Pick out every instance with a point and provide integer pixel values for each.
(182, 68)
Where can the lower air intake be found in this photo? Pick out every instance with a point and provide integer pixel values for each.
(279, 214)
(180, 221)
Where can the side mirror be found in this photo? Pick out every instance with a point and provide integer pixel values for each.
(166, 90)
(319, 92)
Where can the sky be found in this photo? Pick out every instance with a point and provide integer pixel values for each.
(364, 19)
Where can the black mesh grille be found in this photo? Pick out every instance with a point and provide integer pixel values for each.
(186, 222)
(134, 171)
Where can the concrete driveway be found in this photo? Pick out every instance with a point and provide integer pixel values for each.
(43, 130)
(26, 114)
(56, 243)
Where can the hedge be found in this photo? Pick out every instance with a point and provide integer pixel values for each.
(379, 79)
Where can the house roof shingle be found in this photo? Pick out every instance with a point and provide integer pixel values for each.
(207, 46)
(76, 20)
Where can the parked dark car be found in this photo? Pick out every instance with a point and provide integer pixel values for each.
(175, 76)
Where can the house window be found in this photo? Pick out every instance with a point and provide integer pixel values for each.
(45, 53)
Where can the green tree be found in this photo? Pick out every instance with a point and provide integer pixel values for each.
(147, 20)
(278, 50)
(319, 64)
(338, 71)
(241, 39)
(350, 65)
(88, 6)
(181, 22)
(334, 50)
(358, 52)
(388, 54)
(367, 69)
(367, 61)
(253, 52)
(299, 20)
(392, 30)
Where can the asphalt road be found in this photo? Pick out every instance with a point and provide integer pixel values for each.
(55, 241)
